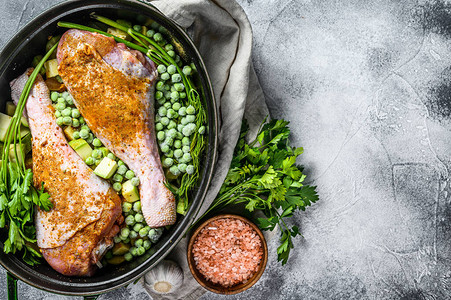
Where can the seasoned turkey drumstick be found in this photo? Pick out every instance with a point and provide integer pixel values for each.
(78, 230)
(113, 88)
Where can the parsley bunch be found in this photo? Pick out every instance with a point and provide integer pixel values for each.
(264, 176)
(18, 196)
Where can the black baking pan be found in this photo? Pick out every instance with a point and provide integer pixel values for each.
(17, 56)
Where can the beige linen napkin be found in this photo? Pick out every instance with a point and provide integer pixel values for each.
(222, 33)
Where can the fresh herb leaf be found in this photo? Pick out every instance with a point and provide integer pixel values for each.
(264, 176)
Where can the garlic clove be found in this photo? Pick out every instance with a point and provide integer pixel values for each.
(165, 278)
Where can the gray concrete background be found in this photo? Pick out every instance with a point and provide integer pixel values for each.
(366, 86)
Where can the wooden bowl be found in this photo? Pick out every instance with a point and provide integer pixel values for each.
(216, 288)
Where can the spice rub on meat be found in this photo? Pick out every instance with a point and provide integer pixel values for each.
(75, 233)
(113, 89)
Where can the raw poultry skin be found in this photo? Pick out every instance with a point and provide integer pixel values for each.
(113, 88)
(74, 234)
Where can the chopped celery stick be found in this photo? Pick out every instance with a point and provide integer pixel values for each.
(10, 108)
(69, 132)
(51, 68)
(81, 147)
(130, 192)
(106, 168)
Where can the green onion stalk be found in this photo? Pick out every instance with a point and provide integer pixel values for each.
(159, 55)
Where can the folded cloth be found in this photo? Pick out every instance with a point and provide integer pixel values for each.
(223, 35)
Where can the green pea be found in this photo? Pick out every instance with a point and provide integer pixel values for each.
(126, 206)
(69, 100)
(174, 170)
(139, 242)
(75, 113)
(60, 106)
(161, 69)
(75, 122)
(182, 111)
(182, 95)
(178, 153)
(190, 118)
(126, 240)
(137, 226)
(61, 100)
(160, 85)
(189, 169)
(111, 156)
(96, 142)
(85, 127)
(143, 232)
(125, 232)
(167, 105)
(187, 70)
(172, 124)
(158, 95)
(186, 149)
(176, 78)
(171, 53)
(165, 76)
(157, 37)
(139, 218)
(168, 47)
(57, 114)
(190, 110)
(162, 111)
(150, 33)
(164, 148)
(117, 186)
(176, 106)
(117, 239)
(89, 161)
(201, 130)
(182, 167)
(135, 181)
(122, 169)
(159, 126)
(177, 144)
(133, 251)
(118, 177)
(82, 120)
(147, 244)
(137, 206)
(141, 251)
(165, 121)
(96, 153)
(76, 134)
(130, 220)
(128, 256)
(186, 141)
(67, 120)
(170, 113)
(175, 95)
(184, 121)
(54, 96)
(137, 28)
(129, 174)
(172, 69)
(133, 234)
(170, 153)
(167, 162)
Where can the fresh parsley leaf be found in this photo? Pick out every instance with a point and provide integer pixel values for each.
(264, 176)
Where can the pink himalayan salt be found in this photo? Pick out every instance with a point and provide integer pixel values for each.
(227, 252)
